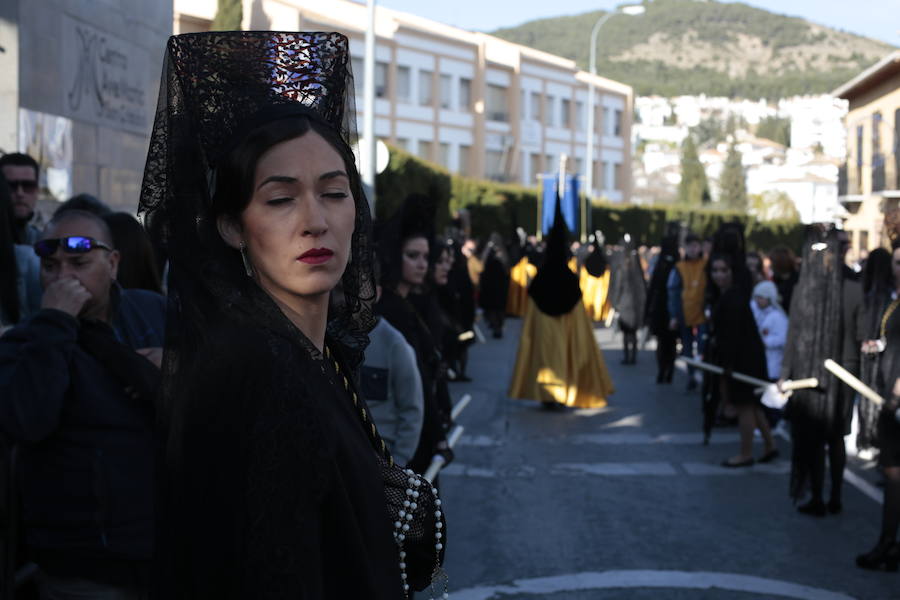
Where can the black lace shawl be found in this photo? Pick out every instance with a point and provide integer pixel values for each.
(814, 334)
(555, 289)
(657, 312)
(274, 485)
(628, 289)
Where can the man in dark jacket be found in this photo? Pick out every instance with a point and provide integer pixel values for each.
(77, 382)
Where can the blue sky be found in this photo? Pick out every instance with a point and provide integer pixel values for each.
(879, 19)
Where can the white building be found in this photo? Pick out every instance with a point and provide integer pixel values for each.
(817, 121)
(473, 103)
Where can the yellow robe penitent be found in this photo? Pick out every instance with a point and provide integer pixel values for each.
(559, 360)
(519, 278)
(595, 291)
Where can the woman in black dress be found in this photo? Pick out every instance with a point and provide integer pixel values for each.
(886, 553)
(735, 345)
(276, 482)
(628, 295)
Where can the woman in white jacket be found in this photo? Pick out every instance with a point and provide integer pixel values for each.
(772, 323)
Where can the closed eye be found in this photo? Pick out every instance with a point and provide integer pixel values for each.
(278, 201)
(336, 195)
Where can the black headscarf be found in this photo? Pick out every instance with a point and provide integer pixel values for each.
(555, 288)
(257, 487)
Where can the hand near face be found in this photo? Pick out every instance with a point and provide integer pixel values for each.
(153, 354)
(66, 294)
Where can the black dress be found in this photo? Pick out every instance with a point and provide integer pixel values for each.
(401, 313)
(735, 345)
(278, 490)
(888, 371)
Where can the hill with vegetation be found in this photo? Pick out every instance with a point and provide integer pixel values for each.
(692, 47)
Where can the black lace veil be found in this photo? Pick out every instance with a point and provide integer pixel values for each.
(216, 88)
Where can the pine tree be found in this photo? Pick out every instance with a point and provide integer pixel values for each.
(733, 183)
(693, 189)
(228, 16)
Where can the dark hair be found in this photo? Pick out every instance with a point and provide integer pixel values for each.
(17, 159)
(137, 266)
(878, 274)
(759, 260)
(235, 171)
(783, 259)
(9, 269)
(74, 214)
(85, 202)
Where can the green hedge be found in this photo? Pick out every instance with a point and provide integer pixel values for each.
(503, 207)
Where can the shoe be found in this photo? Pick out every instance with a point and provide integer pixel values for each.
(883, 556)
(813, 508)
(738, 464)
(769, 456)
(835, 507)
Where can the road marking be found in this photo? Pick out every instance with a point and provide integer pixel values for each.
(614, 469)
(650, 579)
(634, 439)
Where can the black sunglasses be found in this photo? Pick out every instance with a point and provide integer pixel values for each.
(28, 186)
(75, 244)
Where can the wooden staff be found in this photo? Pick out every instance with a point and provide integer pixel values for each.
(851, 380)
(790, 385)
(438, 462)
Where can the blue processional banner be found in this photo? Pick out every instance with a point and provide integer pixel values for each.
(570, 202)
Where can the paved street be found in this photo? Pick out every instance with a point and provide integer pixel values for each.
(625, 502)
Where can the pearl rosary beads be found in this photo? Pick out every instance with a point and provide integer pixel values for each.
(402, 526)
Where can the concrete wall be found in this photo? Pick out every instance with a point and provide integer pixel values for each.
(96, 63)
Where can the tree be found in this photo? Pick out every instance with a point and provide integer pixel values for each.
(694, 188)
(733, 182)
(228, 16)
(773, 205)
(777, 129)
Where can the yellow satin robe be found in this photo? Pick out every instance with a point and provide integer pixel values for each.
(519, 278)
(559, 360)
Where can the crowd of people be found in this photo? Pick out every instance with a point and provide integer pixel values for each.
(237, 395)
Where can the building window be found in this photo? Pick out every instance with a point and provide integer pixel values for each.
(424, 149)
(607, 176)
(535, 112)
(617, 123)
(494, 165)
(446, 91)
(465, 155)
(579, 115)
(445, 155)
(404, 81)
(359, 74)
(579, 164)
(534, 165)
(618, 176)
(550, 164)
(381, 77)
(605, 124)
(564, 113)
(864, 241)
(465, 94)
(548, 112)
(497, 105)
(425, 97)
(403, 143)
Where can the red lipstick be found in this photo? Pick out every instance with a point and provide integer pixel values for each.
(316, 256)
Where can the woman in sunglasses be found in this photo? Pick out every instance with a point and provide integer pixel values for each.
(277, 484)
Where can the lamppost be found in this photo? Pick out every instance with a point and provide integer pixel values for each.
(627, 9)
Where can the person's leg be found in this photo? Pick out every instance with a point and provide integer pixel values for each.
(886, 553)
(746, 425)
(837, 461)
(687, 350)
(815, 456)
(671, 354)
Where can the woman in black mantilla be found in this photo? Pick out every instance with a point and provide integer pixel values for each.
(276, 482)
(404, 250)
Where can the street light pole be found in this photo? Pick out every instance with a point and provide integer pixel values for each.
(628, 9)
(368, 165)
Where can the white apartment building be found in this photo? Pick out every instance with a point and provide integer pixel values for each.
(817, 121)
(473, 103)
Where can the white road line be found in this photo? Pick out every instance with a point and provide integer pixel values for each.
(614, 469)
(650, 579)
